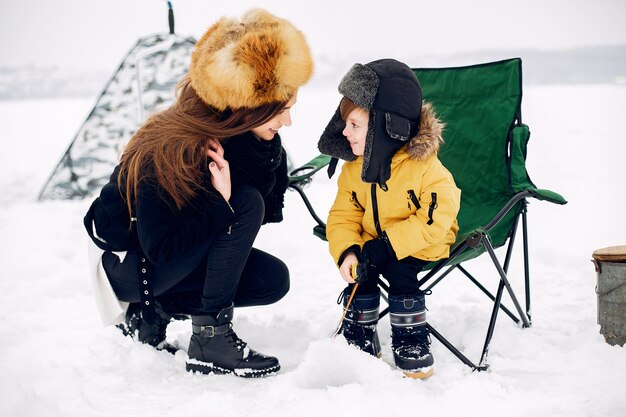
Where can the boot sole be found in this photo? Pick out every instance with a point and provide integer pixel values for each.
(194, 365)
(420, 373)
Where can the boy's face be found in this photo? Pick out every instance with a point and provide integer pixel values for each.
(356, 130)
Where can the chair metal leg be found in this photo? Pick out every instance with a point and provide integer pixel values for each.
(440, 277)
(488, 294)
(504, 283)
(509, 249)
(455, 351)
(526, 262)
(492, 323)
(308, 205)
(442, 264)
(504, 279)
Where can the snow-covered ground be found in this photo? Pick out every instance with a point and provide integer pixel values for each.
(57, 360)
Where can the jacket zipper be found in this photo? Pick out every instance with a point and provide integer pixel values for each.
(375, 210)
(431, 208)
(355, 201)
(414, 199)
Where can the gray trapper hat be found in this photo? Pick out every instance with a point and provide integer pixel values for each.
(389, 90)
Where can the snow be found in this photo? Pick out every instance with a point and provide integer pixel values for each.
(57, 360)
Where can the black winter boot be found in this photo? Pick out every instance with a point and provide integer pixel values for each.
(410, 340)
(214, 347)
(152, 334)
(359, 325)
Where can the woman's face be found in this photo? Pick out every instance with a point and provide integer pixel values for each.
(356, 130)
(268, 130)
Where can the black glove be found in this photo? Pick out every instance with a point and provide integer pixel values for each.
(374, 258)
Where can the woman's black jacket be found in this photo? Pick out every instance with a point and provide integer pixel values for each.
(165, 233)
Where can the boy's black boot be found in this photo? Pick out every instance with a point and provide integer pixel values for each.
(410, 339)
(214, 347)
(359, 325)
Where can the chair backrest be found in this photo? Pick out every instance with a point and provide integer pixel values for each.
(480, 106)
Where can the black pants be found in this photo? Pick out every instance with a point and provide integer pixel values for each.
(401, 275)
(214, 275)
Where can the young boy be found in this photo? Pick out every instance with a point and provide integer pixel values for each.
(395, 209)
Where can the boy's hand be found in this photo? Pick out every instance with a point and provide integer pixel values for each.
(375, 256)
(347, 266)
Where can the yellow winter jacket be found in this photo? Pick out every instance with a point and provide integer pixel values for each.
(418, 211)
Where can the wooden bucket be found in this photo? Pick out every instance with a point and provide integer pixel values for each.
(611, 291)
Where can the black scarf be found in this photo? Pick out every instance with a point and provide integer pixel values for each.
(261, 164)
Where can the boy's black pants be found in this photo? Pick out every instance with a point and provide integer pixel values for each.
(401, 275)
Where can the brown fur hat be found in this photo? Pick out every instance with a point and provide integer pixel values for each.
(258, 60)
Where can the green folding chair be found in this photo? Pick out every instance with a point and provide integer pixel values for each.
(485, 150)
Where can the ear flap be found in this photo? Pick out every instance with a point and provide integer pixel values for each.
(399, 128)
(333, 142)
(380, 148)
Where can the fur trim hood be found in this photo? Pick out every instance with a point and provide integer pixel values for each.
(429, 136)
(245, 64)
(398, 118)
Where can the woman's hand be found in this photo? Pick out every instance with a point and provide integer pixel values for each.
(346, 267)
(220, 171)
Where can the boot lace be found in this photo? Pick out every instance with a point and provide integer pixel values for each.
(234, 340)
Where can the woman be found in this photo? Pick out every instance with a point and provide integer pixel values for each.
(192, 189)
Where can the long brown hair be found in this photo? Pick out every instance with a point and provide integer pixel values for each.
(170, 147)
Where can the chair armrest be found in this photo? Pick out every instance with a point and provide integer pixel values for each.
(305, 172)
(547, 195)
(320, 231)
(539, 194)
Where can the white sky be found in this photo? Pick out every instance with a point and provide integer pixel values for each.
(95, 34)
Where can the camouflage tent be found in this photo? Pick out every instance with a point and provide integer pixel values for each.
(144, 82)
